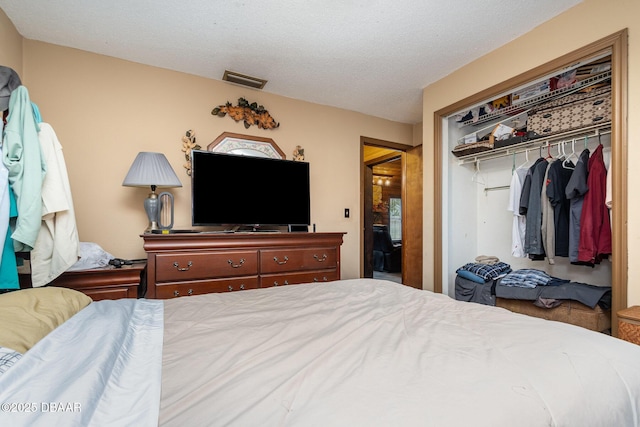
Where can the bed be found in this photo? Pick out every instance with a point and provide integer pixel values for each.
(357, 352)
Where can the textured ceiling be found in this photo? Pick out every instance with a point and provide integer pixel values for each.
(369, 56)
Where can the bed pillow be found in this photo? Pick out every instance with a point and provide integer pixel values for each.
(28, 315)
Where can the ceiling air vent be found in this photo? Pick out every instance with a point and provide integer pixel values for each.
(244, 80)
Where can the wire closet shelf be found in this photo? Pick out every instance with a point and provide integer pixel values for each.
(545, 143)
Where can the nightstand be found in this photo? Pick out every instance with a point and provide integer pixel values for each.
(99, 283)
(629, 324)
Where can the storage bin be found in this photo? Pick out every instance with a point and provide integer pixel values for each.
(580, 110)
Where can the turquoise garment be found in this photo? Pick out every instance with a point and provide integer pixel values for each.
(36, 112)
(25, 163)
(8, 264)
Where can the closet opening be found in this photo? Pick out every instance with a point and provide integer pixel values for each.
(486, 139)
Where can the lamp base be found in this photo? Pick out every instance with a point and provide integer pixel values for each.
(151, 207)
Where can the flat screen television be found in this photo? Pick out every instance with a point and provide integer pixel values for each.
(228, 189)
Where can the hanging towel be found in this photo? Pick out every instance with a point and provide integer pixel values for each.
(58, 245)
(23, 158)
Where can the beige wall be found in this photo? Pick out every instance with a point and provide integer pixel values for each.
(579, 26)
(106, 110)
(11, 52)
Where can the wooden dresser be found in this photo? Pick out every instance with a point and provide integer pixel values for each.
(184, 264)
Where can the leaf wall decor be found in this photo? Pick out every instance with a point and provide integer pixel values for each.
(249, 113)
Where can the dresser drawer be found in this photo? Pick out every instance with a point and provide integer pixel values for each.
(204, 265)
(267, 281)
(296, 259)
(172, 290)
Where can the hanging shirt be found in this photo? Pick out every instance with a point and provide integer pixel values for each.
(23, 158)
(519, 221)
(547, 229)
(557, 181)
(526, 189)
(8, 264)
(4, 204)
(575, 191)
(8, 267)
(533, 236)
(595, 229)
(57, 247)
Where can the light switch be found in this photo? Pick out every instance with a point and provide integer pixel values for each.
(346, 212)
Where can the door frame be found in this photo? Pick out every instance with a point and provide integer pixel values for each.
(366, 198)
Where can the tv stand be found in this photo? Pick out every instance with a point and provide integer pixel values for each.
(200, 263)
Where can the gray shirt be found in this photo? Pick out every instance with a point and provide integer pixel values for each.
(533, 235)
(576, 189)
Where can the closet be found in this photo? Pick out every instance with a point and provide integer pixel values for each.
(474, 166)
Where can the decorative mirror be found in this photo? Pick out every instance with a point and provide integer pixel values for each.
(246, 145)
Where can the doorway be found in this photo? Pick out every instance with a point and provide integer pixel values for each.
(391, 202)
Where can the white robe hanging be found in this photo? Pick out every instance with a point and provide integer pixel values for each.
(57, 247)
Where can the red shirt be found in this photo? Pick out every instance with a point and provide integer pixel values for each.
(595, 228)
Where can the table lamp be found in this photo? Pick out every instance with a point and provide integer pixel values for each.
(154, 170)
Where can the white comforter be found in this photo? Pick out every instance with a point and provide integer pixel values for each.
(350, 353)
(374, 353)
(100, 368)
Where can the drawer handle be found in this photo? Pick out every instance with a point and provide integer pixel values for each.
(236, 265)
(241, 287)
(324, 279)
(323, 258)
(177, 266)
(275, 283)
(230, 288)
(177, 294)
(284, 261)
(598, 102)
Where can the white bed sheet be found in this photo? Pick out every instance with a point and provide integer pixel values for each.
(100, 368)
(374, 353)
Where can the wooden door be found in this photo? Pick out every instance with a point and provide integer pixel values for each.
(412, 218)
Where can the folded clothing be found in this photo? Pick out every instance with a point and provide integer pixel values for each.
(526, 278)
(586, 294)
(470, 276)
(487, 259)
(486, 271)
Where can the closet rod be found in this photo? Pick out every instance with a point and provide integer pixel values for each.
(590, 132)
(500, 187)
